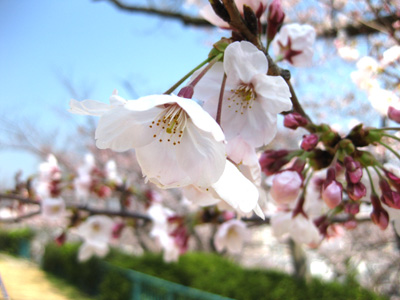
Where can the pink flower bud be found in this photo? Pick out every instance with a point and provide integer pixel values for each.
(380, 218)
(294, 120)
(309, 142)
(356, 191)
(286, 187)
(351, 224)
(60, 240)
(271, 161)
(394, 114)
(117, 230)
(332, 194)
(394, 180)
(354, 170)
(275, 19)
(352, 208)
(389, 197)
(378, 215)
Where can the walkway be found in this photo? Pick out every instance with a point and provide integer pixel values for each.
(23, 280)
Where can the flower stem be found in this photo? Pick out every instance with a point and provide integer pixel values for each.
(390, 149)
(295, 102)
(387, 128)
(221, 97)
(172, 88)
(215, 59)
(391, 136)
(371, 182)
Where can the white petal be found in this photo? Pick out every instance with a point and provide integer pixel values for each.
(260, 128)
(121, 128)
(201, 156)
(88, 107)
(242, 60)
(236, 190)
(258, 211)
(208, 88)
(199, 196)
(272, 92)
(201, 118)
(160, 165)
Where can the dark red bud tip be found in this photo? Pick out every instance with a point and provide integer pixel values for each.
(186, 92)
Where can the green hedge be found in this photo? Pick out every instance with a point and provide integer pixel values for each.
(16, 241)
(204, 271)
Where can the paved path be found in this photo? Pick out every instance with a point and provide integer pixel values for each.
(23, 280)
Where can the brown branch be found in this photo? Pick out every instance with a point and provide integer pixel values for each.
(20, 218)
(351, 29)
(124, 214)
(185, 19)
(359, 28)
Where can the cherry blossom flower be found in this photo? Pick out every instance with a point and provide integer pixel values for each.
(83, 181)
(177, 143)
(252, 99)
(49, 178)
(96, 232)
(52, 208)
(295, 43)
(231, 235)
(382, 99)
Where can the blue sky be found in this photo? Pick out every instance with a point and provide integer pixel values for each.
(95, 47)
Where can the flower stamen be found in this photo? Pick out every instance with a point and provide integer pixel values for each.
(242, 97)
(173, 122)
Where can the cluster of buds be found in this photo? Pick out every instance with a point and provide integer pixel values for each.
(346, 185)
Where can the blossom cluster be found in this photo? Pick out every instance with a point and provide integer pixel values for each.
(209, 138)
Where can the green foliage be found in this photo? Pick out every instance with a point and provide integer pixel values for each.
(204, 271)
(15, 241)
(115, 286)
(63, 262)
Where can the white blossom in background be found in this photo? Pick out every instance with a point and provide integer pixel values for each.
(161, 231)
(251, 100)
(390, 56)
(177, 143)
(231, 236)
(299, 228)
(49, 175)
(295, 43)
(381, 99)
(96, 232)
(83, 181)
(112, 173)
(52, 208)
